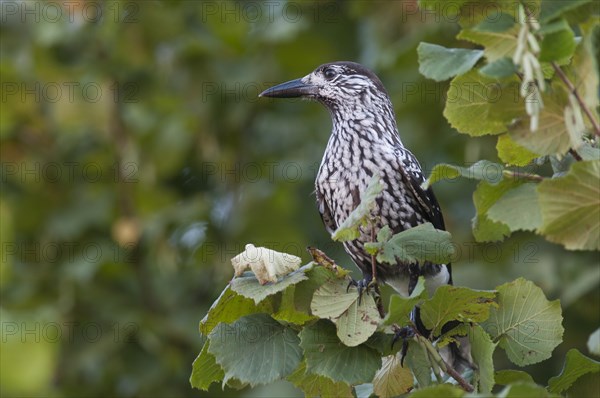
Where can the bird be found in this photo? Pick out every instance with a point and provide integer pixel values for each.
(364, 142)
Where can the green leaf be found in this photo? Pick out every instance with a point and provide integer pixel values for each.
(551, 137)
(392, 379)
(520, 390)
(478, 105)
(502, 23)
(584, 71)
(484, 197)
(355, 322)
(348, 230)
(400, 307)
(438, 391)
(510, 376)
(482, 170)
(570, 207)
(482, 351)
(496, 44)
(518, 208)
(593, 343)
(364, 390)
(588, 152)
(526, 324)
(287, 311)
(418, 361)
(441, 63)
(229, 307)
(512, 153)
(499, 69)
(455, 303)
(205, 370)
(554, 9)
(327, 356)
(417, 244)
(305, 290)
(553, 27)
(318, 386)
(255, 349)
(557, 45)
(248, 286)
(576, 365)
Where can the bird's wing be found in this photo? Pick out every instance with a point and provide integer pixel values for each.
(428, 202)
(328, 220)
(425, 197)
(413, 177)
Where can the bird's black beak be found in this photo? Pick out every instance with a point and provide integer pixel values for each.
(291, 89)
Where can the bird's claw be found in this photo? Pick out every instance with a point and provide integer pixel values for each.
(361, 285)
(405, 334)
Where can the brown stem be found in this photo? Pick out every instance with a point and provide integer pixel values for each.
(522, 176)
(373, 260)
(574, 91)
(445, 367)
(378, 301)
(574, 153)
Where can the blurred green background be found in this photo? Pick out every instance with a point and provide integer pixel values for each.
(137, 160)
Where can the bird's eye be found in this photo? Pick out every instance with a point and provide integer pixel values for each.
(329, 73)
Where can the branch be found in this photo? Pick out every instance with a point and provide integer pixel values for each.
(445, 367)
(378, 300)
(574, 91)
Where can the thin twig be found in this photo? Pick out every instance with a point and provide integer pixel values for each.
(445, 367)
(574, 153)
(574, 91)
(378, 301)
(522, 176)
(373, 259)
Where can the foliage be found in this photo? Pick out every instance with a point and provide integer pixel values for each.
(162, 177)
(492, 99)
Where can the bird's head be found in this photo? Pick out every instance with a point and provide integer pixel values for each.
(336, 84)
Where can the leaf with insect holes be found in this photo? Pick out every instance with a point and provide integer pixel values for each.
(526, 324)
(456, 303)
(355, 322)
(349, 229)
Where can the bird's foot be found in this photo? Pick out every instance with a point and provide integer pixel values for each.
(405, 333)
(362, 285)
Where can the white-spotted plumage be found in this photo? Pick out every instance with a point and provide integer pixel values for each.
(365, 141)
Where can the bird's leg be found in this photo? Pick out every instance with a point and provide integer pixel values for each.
(405, 333)
(373, 259)
(362, 285)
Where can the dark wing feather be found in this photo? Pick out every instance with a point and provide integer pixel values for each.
(325, 212)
